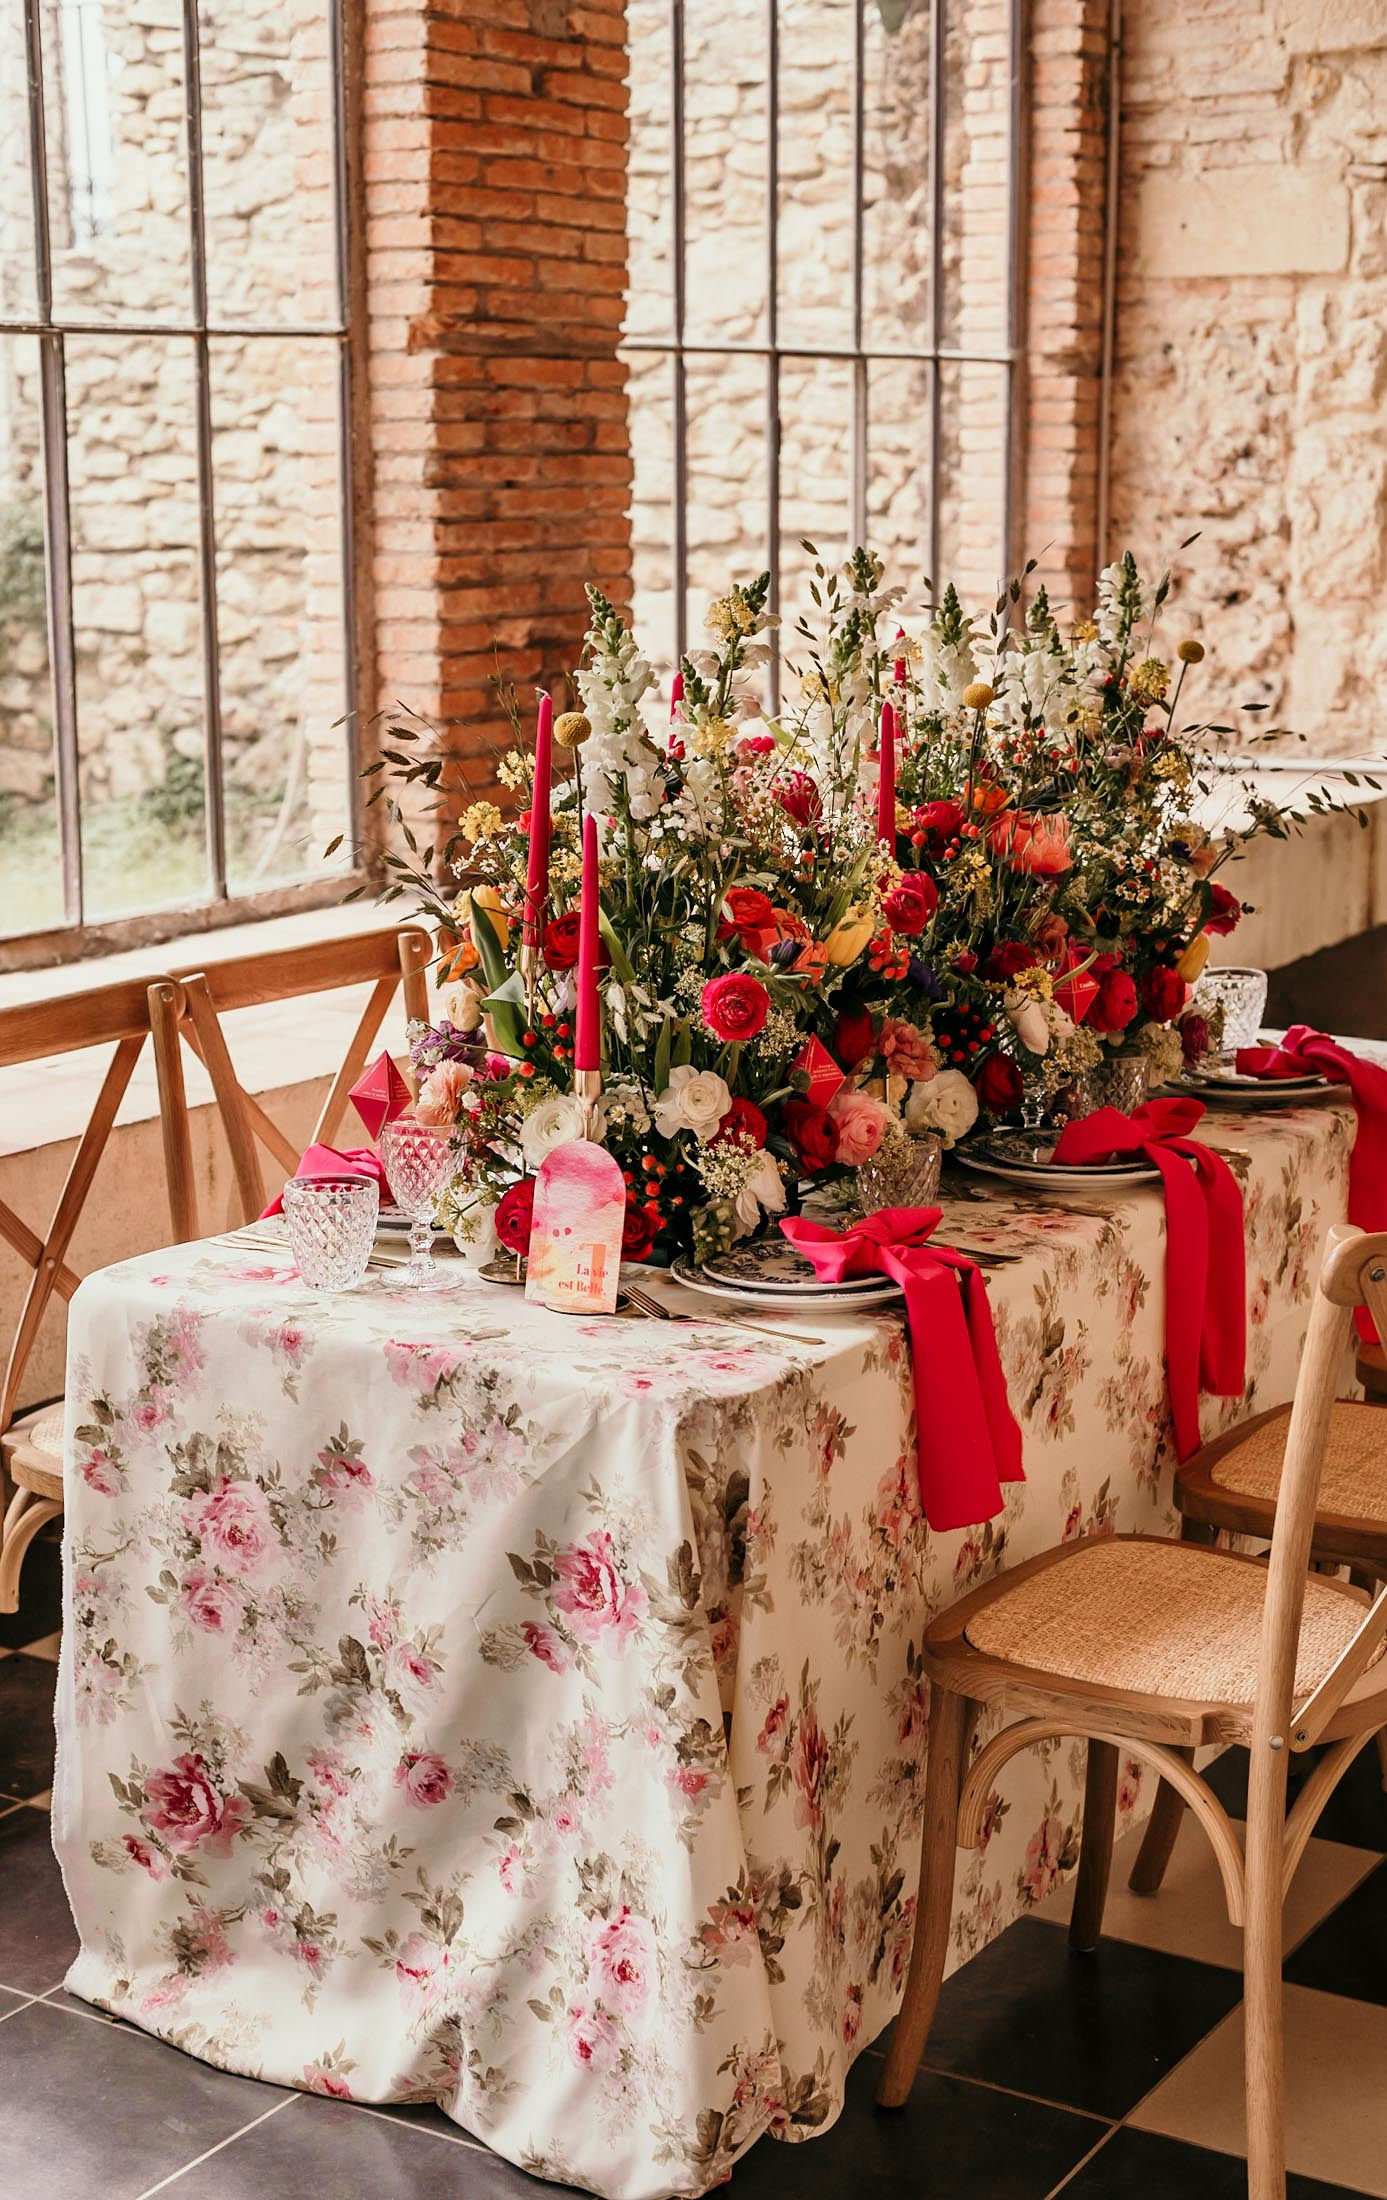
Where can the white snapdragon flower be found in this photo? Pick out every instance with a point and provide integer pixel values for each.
(946, 1103)
(1028, 1020)
(557, 1121)
(474, 1231)
(694, 1100)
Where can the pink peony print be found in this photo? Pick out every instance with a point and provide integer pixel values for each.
(420, 1366)
(316, 2079)
(775, 1728)
(565, 1819)
(421, 1971)
(150, 1411)
(512, 1872)
(621, 1962)
(382, 1620)
(149, 1860)
(809, 1770)
(210, 1602)
(329, 1772)
(731, 1929)
(852, 2015)
(544, 1644)
(100, 1473)
(688, 1781)
(1042, 1865)
(343, 1475)
(592, 2039)
(591, 1593)
(184, 1808)
(232, 1523)
(425, 1779)
(410, 1672)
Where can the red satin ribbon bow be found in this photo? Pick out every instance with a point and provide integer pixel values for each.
(1205, 1268)
(1303, 1051)
(320, 1161)
(967, 1439)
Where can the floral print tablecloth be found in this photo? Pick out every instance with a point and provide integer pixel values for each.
(462, 1702)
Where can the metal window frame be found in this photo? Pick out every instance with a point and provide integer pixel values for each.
(679, 347)
(51, 329)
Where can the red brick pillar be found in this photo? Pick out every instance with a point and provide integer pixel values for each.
(1064, 320)
(495, 179)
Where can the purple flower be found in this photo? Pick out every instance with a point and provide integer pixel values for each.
(923, 979)
(783, 953)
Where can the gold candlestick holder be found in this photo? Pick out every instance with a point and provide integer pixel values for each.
(587, 1086)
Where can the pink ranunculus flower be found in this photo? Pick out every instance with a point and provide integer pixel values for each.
(424, 1777)
(210, 1602)
(592, 1594)
(861, 1121)
(544, 1644)
(592, 2039)
(421, 1972)
(622, 1962)
(439, 1104)
(906, 1051)
(186, 1810)
(232, 1523)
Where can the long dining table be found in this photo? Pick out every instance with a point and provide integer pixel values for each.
(465, 1702)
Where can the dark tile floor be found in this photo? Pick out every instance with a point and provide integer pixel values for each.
(1108, 2077)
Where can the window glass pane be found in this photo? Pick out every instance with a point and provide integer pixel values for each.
(898, 401)
(649, 394)
(896, 187)
(29, 859)
(16, 191)
(649, 197)
(725, 165)
(816, 178)
(278, 502)
(815, 471)
(136, 622)
(977, 102)
(972, 465)
(117, 160)
(267, 161)
(727, 481)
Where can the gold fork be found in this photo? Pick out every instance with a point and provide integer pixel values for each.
(645, 1303)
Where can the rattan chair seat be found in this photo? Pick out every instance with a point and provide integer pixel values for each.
(34, 1450)
(1354, 1482)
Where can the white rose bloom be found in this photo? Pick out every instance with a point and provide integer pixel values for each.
(947, 1103)
(1029, 1021)
(555, 1122)
(764, 1188)
(694, 1100)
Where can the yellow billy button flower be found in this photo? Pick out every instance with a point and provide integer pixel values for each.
(1190, 652)
(848, 938)
(1191, 963)
(571, 729)
(487, 898)
(977, 695)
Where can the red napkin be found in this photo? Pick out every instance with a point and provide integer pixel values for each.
(1205, 1268)
(321, 1161)
(1301, 1053)
(967, 1439)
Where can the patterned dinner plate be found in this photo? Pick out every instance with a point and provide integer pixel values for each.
(1230, 1088)
(772, 1264)
(826, 1298)
(392, 1221)
(1020, 1157)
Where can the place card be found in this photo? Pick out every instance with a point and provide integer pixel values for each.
(379, 1095)
(575, 1235)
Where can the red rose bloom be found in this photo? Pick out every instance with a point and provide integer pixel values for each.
(998, 1085)
(638, 1232)
(855, 1039)
(813, 1133)
(735, 1008)
(940, 821)
(515, 1211)
(1162, 993)
(751, 915)
(799, 798)
(1225, 910)
(909, 906)
(1007, 959)
(1115, 1003)
(743, 1120)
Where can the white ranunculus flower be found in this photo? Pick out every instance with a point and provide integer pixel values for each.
(475, 1233)
(555, 1122)
(946, 1103)
(462, 1005)
(763, 1189)
(1029, 1021)
(694, 1100)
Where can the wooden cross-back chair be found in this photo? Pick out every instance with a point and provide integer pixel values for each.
(191, 1004)
(1154, 1648)
(31, 1443)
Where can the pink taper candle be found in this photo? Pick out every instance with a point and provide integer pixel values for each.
(587, 1038)
(537, 877)
(676, 695)
(886, 781)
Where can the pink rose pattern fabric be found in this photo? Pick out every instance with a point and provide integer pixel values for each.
(460, 1702)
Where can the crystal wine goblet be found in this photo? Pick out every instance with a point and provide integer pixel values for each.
(419, 1163)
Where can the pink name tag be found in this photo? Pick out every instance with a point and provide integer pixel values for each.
(575, 1236)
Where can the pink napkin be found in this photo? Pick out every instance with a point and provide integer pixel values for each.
(320, 1161)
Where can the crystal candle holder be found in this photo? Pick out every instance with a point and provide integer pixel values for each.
(903, 1172)
(332, 1224)
(1242, 995)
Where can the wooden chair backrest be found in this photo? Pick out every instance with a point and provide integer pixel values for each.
(109, 1015)
(192, 1004)
(1354, 1274)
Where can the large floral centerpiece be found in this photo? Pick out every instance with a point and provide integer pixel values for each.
(967, 861)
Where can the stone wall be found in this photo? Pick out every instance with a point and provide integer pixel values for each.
(1252, 345)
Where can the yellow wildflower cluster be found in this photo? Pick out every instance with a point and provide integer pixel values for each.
(816, 687)
(1085, 720)
(1148, 681)
(1174, 765)
(1037, 982)
(728, 617)
(480, 821)
(1084, 631)
(514, 769)
(713, 736)
(565, 866)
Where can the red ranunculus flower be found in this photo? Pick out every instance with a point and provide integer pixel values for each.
(909, 906)
(638, 1232)
(1115, 1003)
(749, 914)
(515, 1211)
(1225, 911)
(998, 1085)
(1194, 1038)
(735, 1008)
(813, 1132)
(940, 821)
(743, 1120)
(1162, 993)
(561, 943)
(855, 1038)
(799, 798)
(1007, 958)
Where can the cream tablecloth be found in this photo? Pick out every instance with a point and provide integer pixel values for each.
(463, 1702)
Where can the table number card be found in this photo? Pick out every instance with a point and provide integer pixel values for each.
(575, 1237)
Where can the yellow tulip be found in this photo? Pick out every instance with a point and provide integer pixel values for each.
(848, 938)
(487, 898)
(1192, 962)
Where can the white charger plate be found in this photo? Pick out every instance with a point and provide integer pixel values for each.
(1006, 1157)
(828, 1299)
